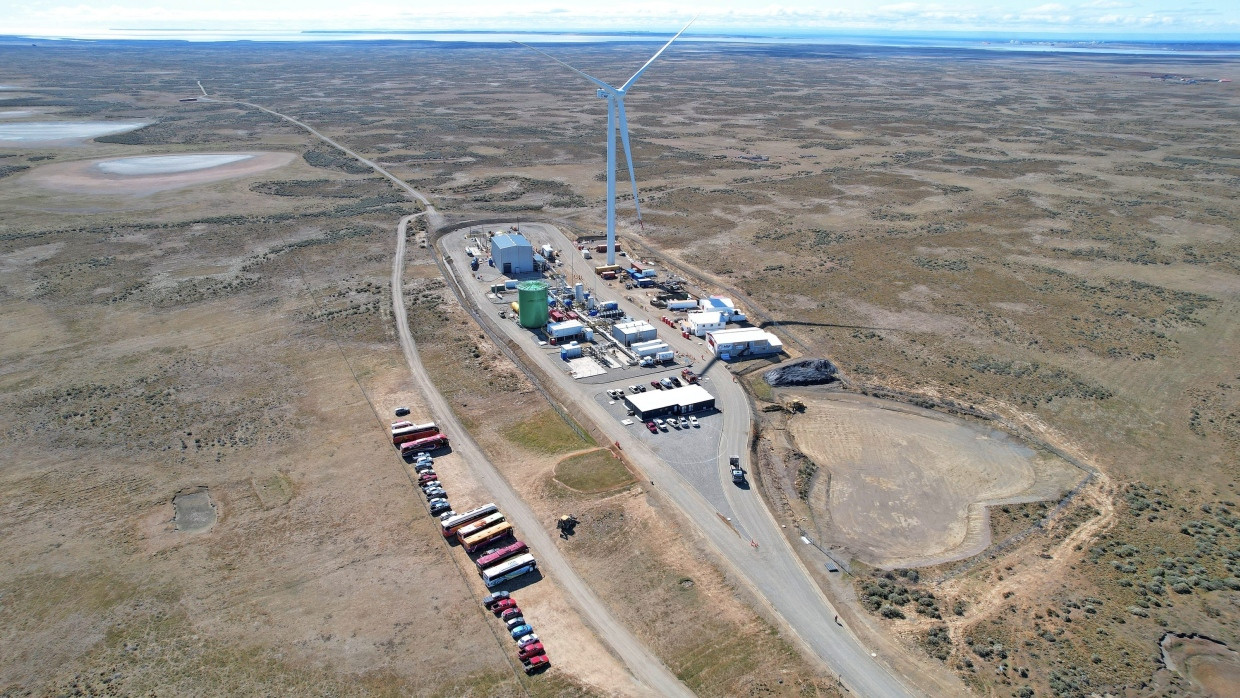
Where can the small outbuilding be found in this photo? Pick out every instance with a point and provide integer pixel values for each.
(512, 253)
(656, 403)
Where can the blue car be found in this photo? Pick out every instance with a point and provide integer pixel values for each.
(521, 631)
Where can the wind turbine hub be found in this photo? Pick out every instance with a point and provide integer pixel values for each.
(600, 93)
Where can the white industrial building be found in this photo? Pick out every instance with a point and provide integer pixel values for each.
(656, 403)
(702, 321)
(633, 331)
(743, 342)
(649, 348)
(512, 253)
(723, 306)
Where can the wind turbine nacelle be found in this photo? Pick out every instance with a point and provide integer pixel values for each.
(600, 93)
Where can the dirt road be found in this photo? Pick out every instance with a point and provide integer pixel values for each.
(646, 667)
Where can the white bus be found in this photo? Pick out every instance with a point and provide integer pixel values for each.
(508, 569)
(453, 524)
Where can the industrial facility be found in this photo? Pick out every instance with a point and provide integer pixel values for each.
(627, 333)
(702, 321)
(691, 398)
(511, 253)
(723, 306)
(743, 342)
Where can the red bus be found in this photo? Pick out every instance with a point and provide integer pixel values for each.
(500, 555)
(429, 443)
(414, 433)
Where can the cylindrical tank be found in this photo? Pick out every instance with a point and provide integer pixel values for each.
(532, 298)
(579, 293)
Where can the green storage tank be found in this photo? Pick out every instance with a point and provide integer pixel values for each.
(532, 300)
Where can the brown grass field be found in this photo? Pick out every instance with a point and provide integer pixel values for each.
(1050, 240)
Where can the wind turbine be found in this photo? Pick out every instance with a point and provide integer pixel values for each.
(615, 112)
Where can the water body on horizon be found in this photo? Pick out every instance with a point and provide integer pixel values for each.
(168, 164)
(1115, 45)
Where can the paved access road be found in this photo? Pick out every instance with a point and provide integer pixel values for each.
(645, 667)
(771, 567)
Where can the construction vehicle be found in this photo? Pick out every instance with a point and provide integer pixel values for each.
(738, 473)
(566, 525)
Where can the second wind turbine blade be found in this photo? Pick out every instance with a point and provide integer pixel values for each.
(628, 154)
(629, 83)
(587, 76)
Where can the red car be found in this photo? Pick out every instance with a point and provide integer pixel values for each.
(537, 663)
(509, 613)
(427, 476)
(653, 429)
(531, 650)
(656, 385)
(503, 605)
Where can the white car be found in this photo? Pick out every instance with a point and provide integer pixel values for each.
(684, 422)
(694, 422)
(662, 425)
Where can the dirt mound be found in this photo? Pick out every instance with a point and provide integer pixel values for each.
(804, 372)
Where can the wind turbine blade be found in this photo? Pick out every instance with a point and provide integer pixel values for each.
(591, 78)
(642, 69)
(628, 154)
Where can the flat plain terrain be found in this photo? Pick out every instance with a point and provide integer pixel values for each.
(1051, 239)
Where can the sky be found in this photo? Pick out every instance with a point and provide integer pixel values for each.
(1085, 19)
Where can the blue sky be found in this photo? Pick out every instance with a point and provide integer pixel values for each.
(1085, 19)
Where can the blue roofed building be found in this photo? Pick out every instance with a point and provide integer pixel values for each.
(512, 253)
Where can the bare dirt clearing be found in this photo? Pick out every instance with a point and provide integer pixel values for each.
(149, 174)
(905, 488)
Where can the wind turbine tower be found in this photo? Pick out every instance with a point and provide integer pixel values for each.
(615, 113)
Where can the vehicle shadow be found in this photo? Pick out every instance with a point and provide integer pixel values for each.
(520, 583)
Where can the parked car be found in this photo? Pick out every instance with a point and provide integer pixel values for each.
(402, 411)
(685, 423)
(667, 383)
(641, 388)
(446, 515)
(521, 631)
(656, 385)
(493, 598)
(430, 484)
(437, 509)
(530, 650)
(662, 425)
(527, 640)
(427, 476)
(436, 492)
(510, 613)
(676, 381)
(437, 500)
(651, 426)
(673, 423)
(514, 622)
(694, 422)
(502, 605)
(632, 388)
(537, 663)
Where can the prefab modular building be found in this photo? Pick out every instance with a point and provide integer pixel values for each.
(743, 342)
(650, 348)
(633, 331)
(656, 403)
(512, 253)
(705, 321)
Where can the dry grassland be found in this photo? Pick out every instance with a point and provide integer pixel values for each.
(1051, 239)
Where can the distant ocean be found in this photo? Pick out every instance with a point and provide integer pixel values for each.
(1179, 46)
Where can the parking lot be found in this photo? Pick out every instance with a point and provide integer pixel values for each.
(692, 451)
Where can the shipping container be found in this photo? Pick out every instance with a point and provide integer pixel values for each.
(665, 356)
